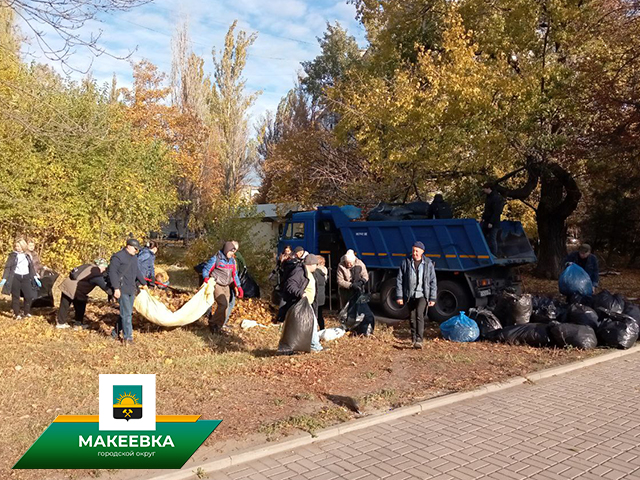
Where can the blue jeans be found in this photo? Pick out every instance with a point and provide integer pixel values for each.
(124, 322)
(315, 338)
(492, 239)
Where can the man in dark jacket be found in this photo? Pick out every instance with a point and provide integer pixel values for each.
(588, 261)
(416, 285)
(147, 261)
(123, 274)
(293, 288)
(439, 209)
(493, 206)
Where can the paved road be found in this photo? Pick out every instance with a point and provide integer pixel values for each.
(584, 424)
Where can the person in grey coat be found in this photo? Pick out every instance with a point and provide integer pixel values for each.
(417, 287)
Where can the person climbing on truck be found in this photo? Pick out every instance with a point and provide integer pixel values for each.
(416, 285)
(493, 206)
(439, 209)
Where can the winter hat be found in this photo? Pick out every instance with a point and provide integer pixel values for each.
(419, 245)
(228, 247)
(132, 242)
(311, 259)
(350, 256)
(585, 248)
(101, 262)
(298, 250)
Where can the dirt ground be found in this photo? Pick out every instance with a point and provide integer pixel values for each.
(260, 396)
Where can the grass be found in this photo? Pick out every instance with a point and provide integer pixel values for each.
(46, 372)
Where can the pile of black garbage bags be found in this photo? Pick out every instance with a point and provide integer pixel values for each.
(409, 211)
(604, 320)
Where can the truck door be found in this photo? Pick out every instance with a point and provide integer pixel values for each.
(294, 236)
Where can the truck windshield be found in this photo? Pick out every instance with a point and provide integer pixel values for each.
(294, 230)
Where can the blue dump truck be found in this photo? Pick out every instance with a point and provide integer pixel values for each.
(468, 274)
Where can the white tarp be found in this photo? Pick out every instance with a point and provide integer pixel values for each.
(157, 312)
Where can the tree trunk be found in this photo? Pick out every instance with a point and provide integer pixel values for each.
(553, 210)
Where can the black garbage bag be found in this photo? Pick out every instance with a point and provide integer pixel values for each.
(486, 320)
(378, 217)
(532, 334)
(544, 310)
(250, 287)
(576, 298)
(356, 312)
(415, 216)
(44, 294)
(419, 208)
(571, 335)
(582, 315)
(607, 301)
(618, 331)
(632, 310)
(512, 309)
(382, 207)
(401, 211)
(298, 328)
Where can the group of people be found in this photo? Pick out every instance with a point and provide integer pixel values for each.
(304, 275)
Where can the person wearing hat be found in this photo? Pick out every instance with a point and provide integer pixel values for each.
(493, 207)
(417, 287)
(224, 271)
(123, 274)
(587, 260)
(75, 289)
(352, 276)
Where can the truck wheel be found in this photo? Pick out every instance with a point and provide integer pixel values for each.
(452, 299)
(388, 301)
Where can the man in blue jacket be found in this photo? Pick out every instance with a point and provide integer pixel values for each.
(587, 260)
(416, 286)
(223, 269)
(123, 274)
(147, 261)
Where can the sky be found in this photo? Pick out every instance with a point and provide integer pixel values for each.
(287, 35)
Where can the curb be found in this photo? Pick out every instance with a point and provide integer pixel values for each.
(305, 439)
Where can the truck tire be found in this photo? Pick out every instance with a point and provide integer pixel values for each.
(388, 301)
(452, 299)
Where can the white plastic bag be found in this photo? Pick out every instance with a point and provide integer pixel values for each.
(329, 334)
(157, 312)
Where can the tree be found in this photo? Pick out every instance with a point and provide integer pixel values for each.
(229, 108)
(497, 90)
(65, 18)
(200, 170)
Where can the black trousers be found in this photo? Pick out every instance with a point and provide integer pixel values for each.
(22, 283)
(417, 311)
(63, 312)
(320, 317)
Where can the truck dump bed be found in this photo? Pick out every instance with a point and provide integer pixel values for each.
(454, 245)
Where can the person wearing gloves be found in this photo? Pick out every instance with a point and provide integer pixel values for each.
(75, 289)
(223, 270)
(416, 286)
(20, 277)
(352, 276)
(240, 265)
(147, 261)
(123, 274)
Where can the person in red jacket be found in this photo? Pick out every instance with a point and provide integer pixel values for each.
(223, 269)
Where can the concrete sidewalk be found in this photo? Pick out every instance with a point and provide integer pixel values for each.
(585, 424)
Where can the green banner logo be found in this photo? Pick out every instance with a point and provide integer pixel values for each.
(122, 436)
